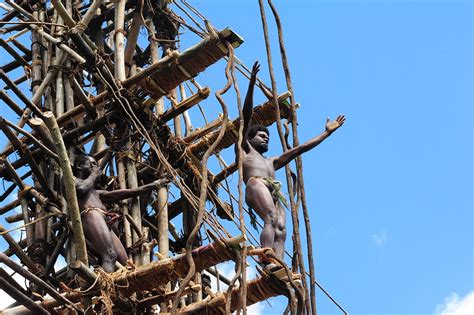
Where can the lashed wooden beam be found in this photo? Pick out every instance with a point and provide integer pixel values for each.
(36, 280)
(186, 104)
(163, 271)
(258, 290)
(154, 274)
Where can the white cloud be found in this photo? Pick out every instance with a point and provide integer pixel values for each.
(380, 238)
(456, 305)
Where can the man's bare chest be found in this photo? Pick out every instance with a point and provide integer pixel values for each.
(255, 164)
(91, 199)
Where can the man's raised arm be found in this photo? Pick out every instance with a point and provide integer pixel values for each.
(289, 155)
(247, 111)
(120, 194)
(83, 186)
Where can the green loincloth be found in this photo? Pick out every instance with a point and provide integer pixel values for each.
(274, 186)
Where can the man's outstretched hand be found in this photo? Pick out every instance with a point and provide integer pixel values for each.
(255, 70)
(331, 126)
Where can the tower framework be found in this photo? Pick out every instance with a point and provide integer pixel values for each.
(115, 80)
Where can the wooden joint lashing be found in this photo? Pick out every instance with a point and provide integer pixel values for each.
(120, 31)
(185, 104)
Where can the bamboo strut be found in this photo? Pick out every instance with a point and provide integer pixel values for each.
(13, 53)
(185, 104)
(25, 189)
(258, 290)
(124, 206)
(26, 220)
(14, 106)
(17, 250)
(71, 197)
(132, 38)
(25, 152)
(13, 204)
(31, 277)
(45, 35)
(14, 218)
(10, 251)
(6, 276)
(21, 297)
(29, 136)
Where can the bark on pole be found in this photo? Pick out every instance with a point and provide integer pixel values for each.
(161, 208)
(33, 278)
(136, 212)
(17, 250)
(70, 187)
(124, 203)
(26, 219)
(258, 290)
(22, 298)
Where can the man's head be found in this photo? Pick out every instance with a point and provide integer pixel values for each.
(258, 138)
(84, 164)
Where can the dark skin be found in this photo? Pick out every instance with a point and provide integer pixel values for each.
(104, 241)
(257, 194)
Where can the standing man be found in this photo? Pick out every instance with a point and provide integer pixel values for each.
(93, 212)
(262, 190)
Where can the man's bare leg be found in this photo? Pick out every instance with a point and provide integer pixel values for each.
(121, 252)
(100, 236)
(259, 198)
(280, 233)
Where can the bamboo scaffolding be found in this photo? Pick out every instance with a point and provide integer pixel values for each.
(86, 63)
(150, 276)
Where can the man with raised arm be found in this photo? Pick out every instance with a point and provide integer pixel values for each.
(262, 191)
(93, 212)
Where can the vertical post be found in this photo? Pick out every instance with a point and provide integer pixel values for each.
(136, 212)
(124, 203)
(187, 120)
(26, 220)
(69, 183)
(161, 204)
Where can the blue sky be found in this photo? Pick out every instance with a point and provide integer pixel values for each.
(390, 193)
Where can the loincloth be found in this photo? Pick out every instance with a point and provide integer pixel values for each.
(110, 217)
(89, 209)
(274, 187)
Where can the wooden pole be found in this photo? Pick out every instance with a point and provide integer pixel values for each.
(26, 220)
(258, 290)
(124, 203)
(22, 298)
(69, 183)
(36, 280)
(136, 212)
(17, 250)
